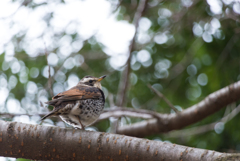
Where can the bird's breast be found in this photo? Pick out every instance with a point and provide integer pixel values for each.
(88, 110)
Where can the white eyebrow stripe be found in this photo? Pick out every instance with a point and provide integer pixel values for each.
(87, 79)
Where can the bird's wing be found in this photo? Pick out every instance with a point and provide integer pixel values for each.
(76, 93)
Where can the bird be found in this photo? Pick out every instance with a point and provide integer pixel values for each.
(81, 105)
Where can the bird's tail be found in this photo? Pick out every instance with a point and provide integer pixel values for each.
(50, 114)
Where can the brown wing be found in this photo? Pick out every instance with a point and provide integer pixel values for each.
(76, 93)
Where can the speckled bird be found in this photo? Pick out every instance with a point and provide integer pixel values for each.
(81, 105)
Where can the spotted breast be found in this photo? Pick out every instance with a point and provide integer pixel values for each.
(87, 111)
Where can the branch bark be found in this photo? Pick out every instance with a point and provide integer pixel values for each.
(202, 129)
(52, 143)
(167, 122)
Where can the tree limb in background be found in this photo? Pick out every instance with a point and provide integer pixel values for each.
(37, 142)
(211, 104)
(124, 81)
(112, 112)
(202, 129)
(164, 98)
(129, 112)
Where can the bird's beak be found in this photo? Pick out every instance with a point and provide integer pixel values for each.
(101, 78)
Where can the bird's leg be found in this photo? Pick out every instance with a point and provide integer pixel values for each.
(81, 124)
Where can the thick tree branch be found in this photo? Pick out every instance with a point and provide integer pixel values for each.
(202, 129)
(51, 143)
(211, 104)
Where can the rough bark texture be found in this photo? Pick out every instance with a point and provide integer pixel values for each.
(167, 122)
(53, 143)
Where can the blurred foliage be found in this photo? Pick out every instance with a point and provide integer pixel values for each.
(186, 49)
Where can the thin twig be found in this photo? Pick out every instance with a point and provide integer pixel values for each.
(49, 71)
(231, 115)
(164, 98)
(130, 112)
(187, 59)
(113, 122)
(11, 115)
(117, 6)
(124, 81)
(226, 51)
(123, 84)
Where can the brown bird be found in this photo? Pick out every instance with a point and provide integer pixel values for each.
(81, 105)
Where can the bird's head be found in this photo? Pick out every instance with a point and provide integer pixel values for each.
(91, 81)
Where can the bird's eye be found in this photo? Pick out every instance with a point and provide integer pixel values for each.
(90, 81)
